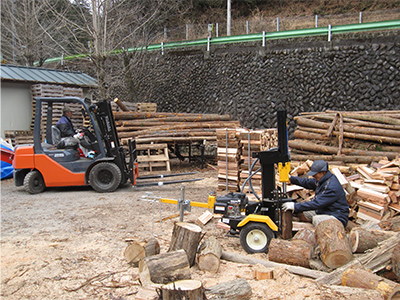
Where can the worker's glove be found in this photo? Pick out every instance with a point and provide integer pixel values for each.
(288, 206)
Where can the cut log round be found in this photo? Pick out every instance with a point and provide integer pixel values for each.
(395, 294)
(209, 254)
(334, 244)
(183, 289)
(362, 239)
(396, 260)
(138, 250)
(306, 235)
(355, 277)
(164, 268)
(186, 236)
(238, 289)
(295, 252)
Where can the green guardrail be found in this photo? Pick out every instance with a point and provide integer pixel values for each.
(340, 29)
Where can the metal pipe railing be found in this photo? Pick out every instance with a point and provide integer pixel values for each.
(319, 31)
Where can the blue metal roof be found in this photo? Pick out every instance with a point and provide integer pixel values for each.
(42, 75)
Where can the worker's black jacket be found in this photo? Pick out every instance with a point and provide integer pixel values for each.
(65, 126)
(330, 198)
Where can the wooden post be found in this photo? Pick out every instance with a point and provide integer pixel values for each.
(287, 225)
(121, 104)
(334, 244)
(186, 236)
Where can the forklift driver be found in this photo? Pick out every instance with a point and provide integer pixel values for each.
(329, 200)
(67, 131)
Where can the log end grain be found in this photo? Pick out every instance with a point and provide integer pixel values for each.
(337, 258)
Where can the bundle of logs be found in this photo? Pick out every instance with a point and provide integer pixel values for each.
(355, 137)
(325, 255)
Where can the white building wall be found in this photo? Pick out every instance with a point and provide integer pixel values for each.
(16, 107)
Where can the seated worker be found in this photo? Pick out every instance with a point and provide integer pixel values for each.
(329, 200)
(64, 124)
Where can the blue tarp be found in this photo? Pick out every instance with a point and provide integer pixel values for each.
(6, 168)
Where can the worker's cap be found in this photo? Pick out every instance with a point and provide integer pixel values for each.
(66, 109)
(318, 166)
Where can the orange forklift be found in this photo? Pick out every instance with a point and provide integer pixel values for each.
(43, 164)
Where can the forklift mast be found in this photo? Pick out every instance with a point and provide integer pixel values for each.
(105, 119)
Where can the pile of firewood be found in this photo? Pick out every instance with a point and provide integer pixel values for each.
(351, 137)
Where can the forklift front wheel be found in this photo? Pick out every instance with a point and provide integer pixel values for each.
(255, 237)
(105, 177)
(34, 183)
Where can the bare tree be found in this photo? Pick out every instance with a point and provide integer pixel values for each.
(111, 26)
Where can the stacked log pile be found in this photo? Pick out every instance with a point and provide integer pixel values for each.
(170, 127)
(351, 137)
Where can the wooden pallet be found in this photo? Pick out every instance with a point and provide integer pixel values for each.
(18, 137)
(146, 107)
(153, 156)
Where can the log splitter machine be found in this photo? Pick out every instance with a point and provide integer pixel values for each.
(257, 222)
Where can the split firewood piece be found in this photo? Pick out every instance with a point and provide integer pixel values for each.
(186, 236)
(356, 277)
(295, 252)
(396, 261)
(135, 251)
(183, 289)
(209, 255)
(164, 268)
(238, 289)
(362, 239)
(334, 244)
(205, 218)
(307, 235)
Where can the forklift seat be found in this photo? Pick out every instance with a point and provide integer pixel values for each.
(55, 135)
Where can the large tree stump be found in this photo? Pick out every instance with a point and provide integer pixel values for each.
(209, 254)
(295, 252)
(396, 260)
(183, 289)
(334, 244)
(355, 277)
(238, 289)
(164, 268)
(186, 236)
(362, 239)
(138, 250)
(306, 235)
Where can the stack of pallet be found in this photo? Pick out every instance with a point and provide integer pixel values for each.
(350, 137)
(255, 141)
(229, 159)
(18, 137)
(118, 105)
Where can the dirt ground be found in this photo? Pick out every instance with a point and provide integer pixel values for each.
(68, 243)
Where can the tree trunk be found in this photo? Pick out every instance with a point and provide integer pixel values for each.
(209, 254)
(138, 250)
(238, 289)
(362, 239)
(183, 289)
(296, 252)
(360, 159)
(306, 235)
(186, 236)
(334, 244)
(360, 278)
(164, 268)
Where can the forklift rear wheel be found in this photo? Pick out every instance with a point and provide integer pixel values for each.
(34, 183)
(105, 177)
(255, 237)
